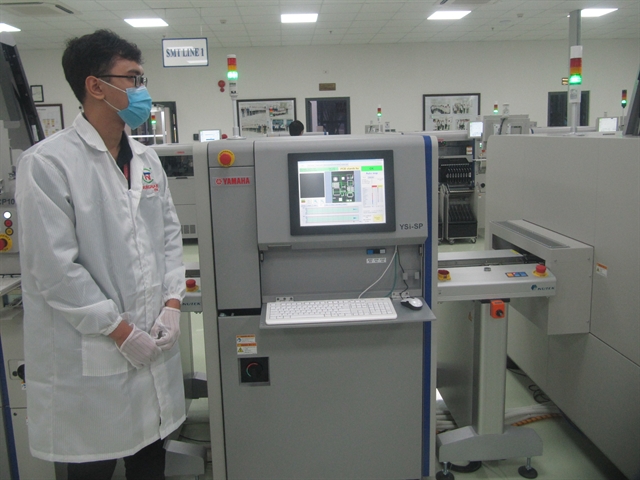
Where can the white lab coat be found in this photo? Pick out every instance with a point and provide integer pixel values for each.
(91, 250)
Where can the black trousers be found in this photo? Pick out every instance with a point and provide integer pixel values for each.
(147, 464)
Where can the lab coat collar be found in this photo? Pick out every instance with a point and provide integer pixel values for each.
(91, 136)
(93, 139)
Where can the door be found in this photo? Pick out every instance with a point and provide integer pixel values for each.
(329, 115)
(557, 109)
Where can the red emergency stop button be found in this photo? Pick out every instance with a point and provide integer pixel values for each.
(444, 275)
(5, 243)
(540, 271)
(226, 158)
(192, 286)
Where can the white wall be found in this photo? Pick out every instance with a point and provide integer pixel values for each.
(394, 76)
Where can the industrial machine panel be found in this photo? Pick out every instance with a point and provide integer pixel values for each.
(312, 430)
(273, 214)
(236, 255)
(584, 187)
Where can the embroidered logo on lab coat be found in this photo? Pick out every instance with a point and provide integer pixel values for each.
(147, 178)
(146, 175)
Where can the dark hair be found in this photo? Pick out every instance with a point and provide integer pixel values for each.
(94, 54)
(296, 128)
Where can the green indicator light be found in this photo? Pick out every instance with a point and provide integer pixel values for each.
(232, 75)
(624, 103)
(575, 79)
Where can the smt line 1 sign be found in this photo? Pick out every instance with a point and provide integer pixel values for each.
(185, 52)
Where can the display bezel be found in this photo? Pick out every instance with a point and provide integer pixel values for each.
(603, 124)
(208, 131)
(294, 188)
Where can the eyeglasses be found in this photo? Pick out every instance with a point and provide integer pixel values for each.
(139, 80)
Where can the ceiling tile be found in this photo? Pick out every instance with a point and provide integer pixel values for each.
(385, 7)
(373, 16)
(340, 8)
(269, 10)
(346, 17)
(356, 39)
(351, 21)
(123, 4)
(386, 38)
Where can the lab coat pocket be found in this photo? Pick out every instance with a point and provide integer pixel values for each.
(101, 357)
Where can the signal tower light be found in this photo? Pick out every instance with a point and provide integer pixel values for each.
(575, 65)
(153, 119)
(624, 98)
(379, 111)
(496, 110)
(232, 69)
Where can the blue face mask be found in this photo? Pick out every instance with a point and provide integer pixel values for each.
(139, 107)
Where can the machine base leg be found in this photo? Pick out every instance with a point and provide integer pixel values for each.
(445, 474)
(527, 471)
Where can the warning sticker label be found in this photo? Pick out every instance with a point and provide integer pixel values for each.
(246, 345)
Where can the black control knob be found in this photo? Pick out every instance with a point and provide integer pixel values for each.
(254, 370)
(19, 372)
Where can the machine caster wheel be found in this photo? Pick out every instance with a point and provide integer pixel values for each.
(451, 242)
(473, 240)
(444, 476)
(469, 468)
(527, 472)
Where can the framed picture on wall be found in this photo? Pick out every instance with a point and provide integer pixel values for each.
(451, 111)
(260, 117)
(37, 93)
(51, 118)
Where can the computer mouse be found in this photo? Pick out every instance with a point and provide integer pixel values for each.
(412, 303)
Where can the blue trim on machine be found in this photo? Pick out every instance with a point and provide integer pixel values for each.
(8, 423)
(428, 268)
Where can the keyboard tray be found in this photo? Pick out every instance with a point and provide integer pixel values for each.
(405, 315)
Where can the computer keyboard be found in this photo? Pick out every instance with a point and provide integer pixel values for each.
(330, 311)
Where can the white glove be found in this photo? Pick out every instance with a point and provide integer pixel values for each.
(139, 348)
(166, 328)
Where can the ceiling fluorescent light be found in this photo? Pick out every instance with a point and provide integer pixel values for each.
(596, 12)
(450, 15)
(146, 22)
(299, 17)
(8, 28)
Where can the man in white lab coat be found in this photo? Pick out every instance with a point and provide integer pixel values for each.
(102, 277)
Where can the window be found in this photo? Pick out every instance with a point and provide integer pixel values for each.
(557, 109)
(330, 115)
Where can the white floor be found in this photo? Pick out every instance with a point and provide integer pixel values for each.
(568, 454)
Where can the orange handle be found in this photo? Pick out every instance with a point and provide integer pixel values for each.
(497, 309)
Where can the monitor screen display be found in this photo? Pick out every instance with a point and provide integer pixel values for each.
(341, 192)
(475, 129)
(607, 124)
(210, 135)
(17, 109)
